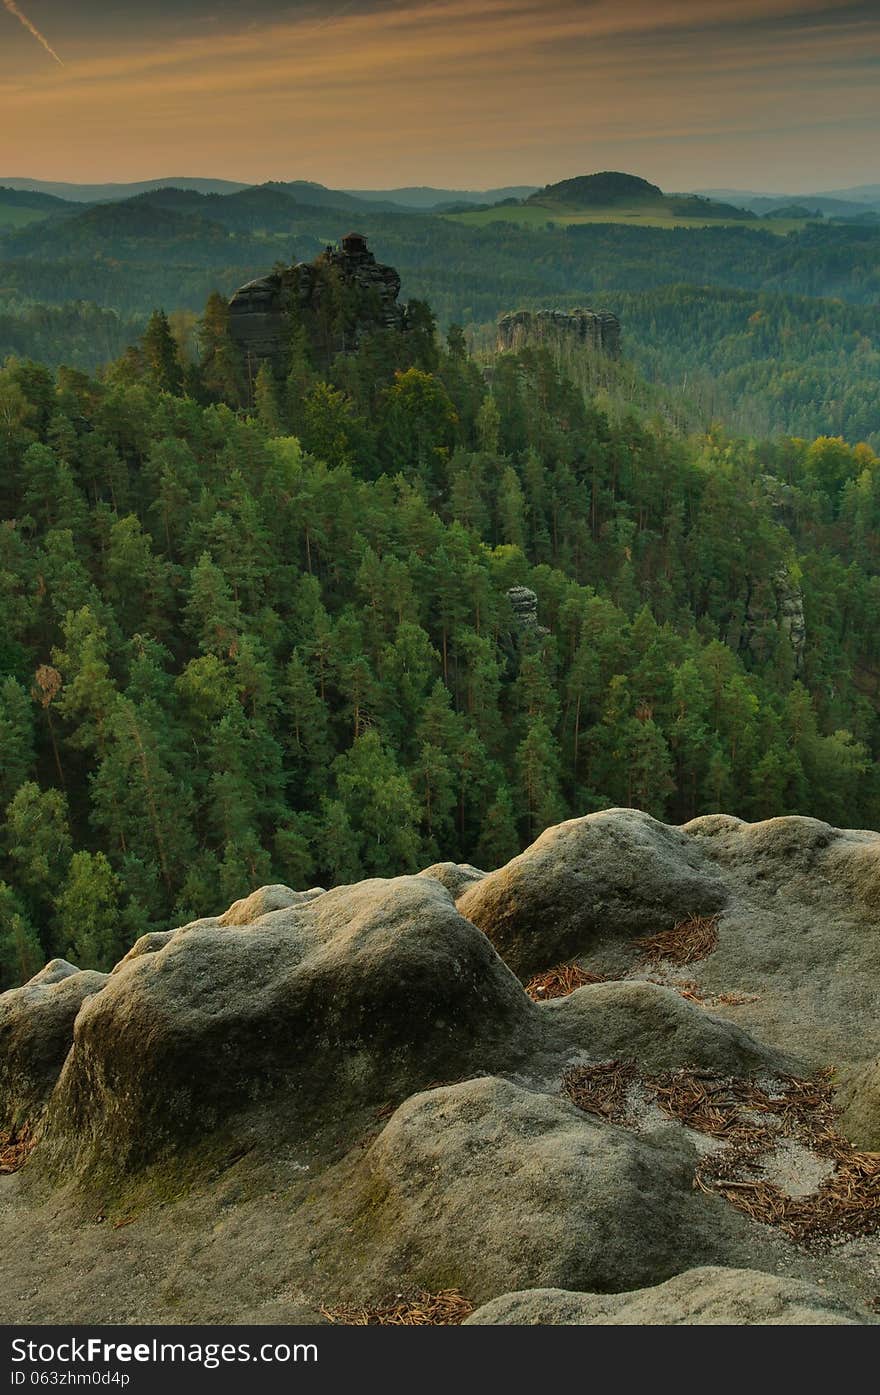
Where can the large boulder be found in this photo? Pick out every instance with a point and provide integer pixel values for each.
(707, 1296)
(490, 1186)
(362, 994)
(615, 873)
(265, 900)
(455, 876)
(36, 1033)
(799, 935)
(658, 1028)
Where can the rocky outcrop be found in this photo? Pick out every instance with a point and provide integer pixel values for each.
(455, 876)
(322, 1006)
(263, 312)
(524, 604)
(324, 1096)
(532, 1188)
(617, 873)
(707, 1296)
(595, 329)
(774, 609)
(633, 1019)
(36, 1033)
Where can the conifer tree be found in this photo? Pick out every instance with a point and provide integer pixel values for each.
(21, 953)
(17, 738)
(161, 354)
(88, 925)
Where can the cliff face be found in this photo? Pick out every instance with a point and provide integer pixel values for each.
(340, 296)
(598, 329)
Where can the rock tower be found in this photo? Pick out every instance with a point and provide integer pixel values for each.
(598, 329)
(341, 295)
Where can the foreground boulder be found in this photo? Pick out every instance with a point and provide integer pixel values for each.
(710, 1296)
(795, 904)
(36, 1033)
(364, 993)
(349, 1093)
(798, 934)
(619, 872)
(654, 1025)
(487, 1185)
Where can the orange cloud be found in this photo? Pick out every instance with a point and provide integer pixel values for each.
(453, 92)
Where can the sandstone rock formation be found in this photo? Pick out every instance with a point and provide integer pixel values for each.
(333, 1095)
(351, 997)
(773, 610)
(614, 873)
(597, 329)
(707, 1296)
(261, 313)
(487, 1180)
(36, 1032)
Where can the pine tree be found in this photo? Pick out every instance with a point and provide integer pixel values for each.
(38, 843)
(267, 402)
(221, 369)
(17, 751)
(538, 766)
(87, 918)
(21, 954)
(339, 844)
(213, 615)
(381, 805)
(161, 354)
(499, 839)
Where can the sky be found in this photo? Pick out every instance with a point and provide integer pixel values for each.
(775, 95)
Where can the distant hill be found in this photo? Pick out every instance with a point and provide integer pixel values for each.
(859, 193)
(107, 193)
(603, 190)
(19, 207)
(32, 198)
(422, 198)
(428, 199)
(276, 208)
(129, 229)
(627, 193)
(834, 204)
(319, 196)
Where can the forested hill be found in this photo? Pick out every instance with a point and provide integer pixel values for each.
(769, 333)
(243, 647)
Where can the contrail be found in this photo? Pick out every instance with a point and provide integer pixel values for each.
(14, 10)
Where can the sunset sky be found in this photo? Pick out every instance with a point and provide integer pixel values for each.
(762, 94)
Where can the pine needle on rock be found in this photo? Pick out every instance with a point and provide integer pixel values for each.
(750, 1121)
(447, 1308)
(15, 1149)
(691, 939)
(559, 981)
(602, 1089)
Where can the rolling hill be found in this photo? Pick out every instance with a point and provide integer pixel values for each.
(110, 193)
(19, 207)
(612, 197)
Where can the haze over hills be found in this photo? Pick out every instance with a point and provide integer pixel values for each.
(602, 190)
(714, 301)
(832, 202)
(105, 193)
(427, 198)
(421, 197)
